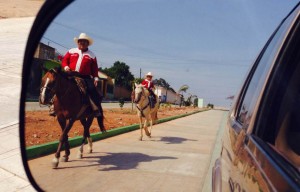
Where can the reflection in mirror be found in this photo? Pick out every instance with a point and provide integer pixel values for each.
(187, 46)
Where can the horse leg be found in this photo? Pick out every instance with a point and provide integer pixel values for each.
(65, 158)
(146, 126)
(100, 119)
(61, 141)
(87, 129)
(86, 135)
(141, 128)
(83, 121)
(153, 118)
(80, 151)
(151, 123)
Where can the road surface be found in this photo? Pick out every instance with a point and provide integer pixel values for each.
(176, 158)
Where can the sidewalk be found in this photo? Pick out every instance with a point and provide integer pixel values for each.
(13, 38)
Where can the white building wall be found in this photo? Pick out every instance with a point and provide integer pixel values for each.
(170, 96)
(200, 103)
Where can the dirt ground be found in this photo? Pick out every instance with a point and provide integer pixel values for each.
(19, 8)
(41, 128)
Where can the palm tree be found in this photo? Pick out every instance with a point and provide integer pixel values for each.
(183, 88)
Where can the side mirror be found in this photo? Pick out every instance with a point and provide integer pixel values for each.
(49, 10)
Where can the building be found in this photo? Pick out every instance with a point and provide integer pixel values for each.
(167, 96)
(44, 51)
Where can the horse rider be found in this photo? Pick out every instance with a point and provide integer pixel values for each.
(147, 83)
(84, 61)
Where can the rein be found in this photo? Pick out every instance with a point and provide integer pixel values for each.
(141, 110)
(145, 107)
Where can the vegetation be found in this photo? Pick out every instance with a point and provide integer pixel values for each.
(121, 102)
(121, 73)
(209, 105)
(138, 80)
(183, 88)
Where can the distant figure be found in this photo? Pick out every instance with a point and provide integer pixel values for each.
(147, 83)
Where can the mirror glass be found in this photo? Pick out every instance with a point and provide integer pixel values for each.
(203, 45)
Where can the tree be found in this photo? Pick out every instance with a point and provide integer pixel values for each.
(189, 101)
(138, 80)
(121, 73)
(183, 88)
(161, 82)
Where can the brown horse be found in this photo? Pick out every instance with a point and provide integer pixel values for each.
(141, 98)
(60, 88)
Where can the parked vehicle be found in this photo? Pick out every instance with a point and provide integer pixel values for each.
(261, 142)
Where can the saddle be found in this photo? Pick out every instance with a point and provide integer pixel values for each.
(81, 84)
(85, 97)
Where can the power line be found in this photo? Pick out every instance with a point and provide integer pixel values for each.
(167, 58)
(56, 43)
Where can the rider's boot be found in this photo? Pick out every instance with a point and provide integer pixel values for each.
(152, 99)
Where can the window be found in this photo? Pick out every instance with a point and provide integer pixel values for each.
(253, 87)
(278, 120)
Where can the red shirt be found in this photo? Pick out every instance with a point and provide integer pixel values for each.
(83, 62)
(148, 84)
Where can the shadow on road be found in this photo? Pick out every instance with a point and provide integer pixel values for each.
(126, 161)
(175, 140)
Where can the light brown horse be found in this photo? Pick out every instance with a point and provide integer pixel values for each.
(60, 88)
(140, 96)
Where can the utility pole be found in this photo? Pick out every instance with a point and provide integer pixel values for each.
(140, 73)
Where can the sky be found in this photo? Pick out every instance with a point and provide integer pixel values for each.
(208, 45)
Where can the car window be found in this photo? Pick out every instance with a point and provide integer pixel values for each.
(256, 82)
(279, 118)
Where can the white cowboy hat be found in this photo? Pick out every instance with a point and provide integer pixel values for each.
(83, 36)
(149, 74)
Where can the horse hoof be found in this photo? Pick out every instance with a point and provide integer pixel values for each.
(90, 151)
(54, 163)
(141, 139)
(64, 159)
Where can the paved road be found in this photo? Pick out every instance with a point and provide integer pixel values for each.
(176, 158)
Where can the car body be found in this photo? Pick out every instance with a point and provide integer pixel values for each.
(261, 142)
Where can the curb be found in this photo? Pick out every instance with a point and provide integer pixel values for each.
(51, 147)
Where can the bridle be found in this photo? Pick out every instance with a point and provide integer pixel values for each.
(45, 89)
(52, 89)
(139, 99)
